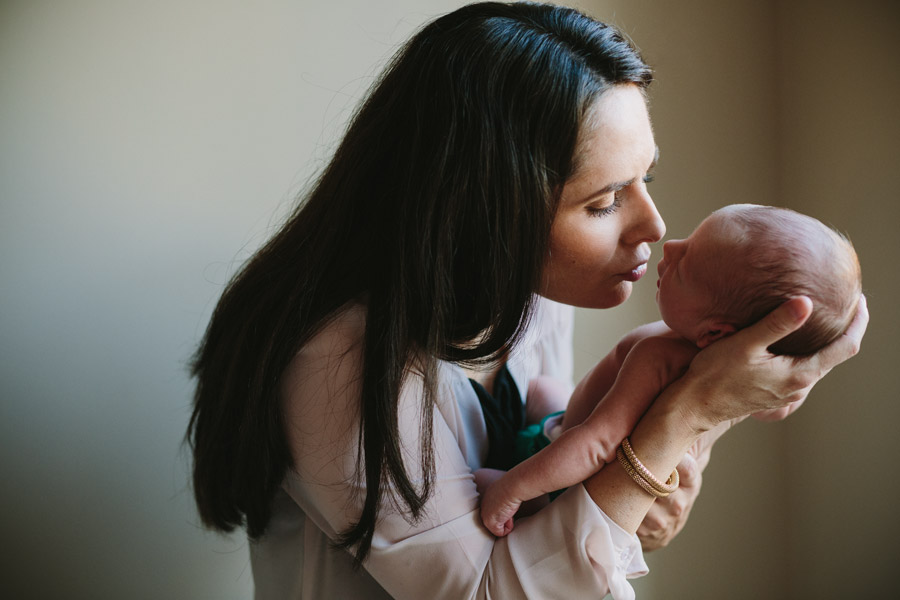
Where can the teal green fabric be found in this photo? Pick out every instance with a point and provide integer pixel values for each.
(531, 440)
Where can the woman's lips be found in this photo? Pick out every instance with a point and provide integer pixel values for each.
(636, 273)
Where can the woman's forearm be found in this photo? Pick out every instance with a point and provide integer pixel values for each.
(660, 440)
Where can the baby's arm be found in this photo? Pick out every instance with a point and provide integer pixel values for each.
(581, 451)
(651, 365)
(599, 380)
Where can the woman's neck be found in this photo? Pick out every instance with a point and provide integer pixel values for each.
(485, 375)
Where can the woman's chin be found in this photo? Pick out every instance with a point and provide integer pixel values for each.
(607, 297)
(622, 293)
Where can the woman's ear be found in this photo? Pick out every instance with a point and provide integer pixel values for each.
(714, 331)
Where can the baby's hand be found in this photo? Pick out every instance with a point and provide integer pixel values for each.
(498, 510)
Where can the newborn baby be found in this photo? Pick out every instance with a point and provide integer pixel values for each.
(740, 263)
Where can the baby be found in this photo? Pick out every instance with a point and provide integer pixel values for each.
(738, 265)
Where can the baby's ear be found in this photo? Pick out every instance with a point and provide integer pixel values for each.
(714, 331)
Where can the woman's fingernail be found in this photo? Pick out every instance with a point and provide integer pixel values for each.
(798, 309)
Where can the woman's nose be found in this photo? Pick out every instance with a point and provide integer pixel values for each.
(657, 225)
(650, 226)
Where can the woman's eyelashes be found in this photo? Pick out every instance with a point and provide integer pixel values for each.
(618, 195)
(602, 211)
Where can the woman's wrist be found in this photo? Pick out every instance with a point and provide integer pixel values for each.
(665, 433)
(684, 408)
(661, 439)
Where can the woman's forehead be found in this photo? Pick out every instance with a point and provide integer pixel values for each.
(617, 136)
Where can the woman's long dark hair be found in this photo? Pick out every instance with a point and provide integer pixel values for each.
(435, 212)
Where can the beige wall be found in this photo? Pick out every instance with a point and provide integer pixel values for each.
(840, 84)
(146, 149)
(790, 103)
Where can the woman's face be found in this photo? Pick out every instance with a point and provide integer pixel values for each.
(601, 234)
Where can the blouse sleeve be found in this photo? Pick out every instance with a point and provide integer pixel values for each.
(571, 548)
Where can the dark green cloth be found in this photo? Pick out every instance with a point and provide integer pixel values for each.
(504, 416)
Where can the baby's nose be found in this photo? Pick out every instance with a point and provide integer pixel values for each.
(671, 247)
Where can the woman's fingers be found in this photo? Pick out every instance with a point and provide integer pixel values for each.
(667, 516)
(690, 472)
(808, 370)
(785, 319)
(848, 344)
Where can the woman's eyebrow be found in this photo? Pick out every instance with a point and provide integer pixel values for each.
(611, 187)
(618, 185)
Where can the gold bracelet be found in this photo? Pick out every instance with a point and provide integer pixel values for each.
(637, 476)
(665, 488)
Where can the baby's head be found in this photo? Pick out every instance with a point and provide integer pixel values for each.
(745, 260)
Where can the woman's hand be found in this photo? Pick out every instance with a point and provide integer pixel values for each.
(789, 381)
(778, 414)
(737, 376)
(667, 516)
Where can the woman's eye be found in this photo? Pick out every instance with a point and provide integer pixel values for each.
(607, 210)
(648, 178)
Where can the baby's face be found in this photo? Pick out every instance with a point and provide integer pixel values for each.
(685, 271)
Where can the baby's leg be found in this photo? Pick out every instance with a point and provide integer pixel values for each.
(546, 395)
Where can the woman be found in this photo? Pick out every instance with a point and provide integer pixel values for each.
(496, 173)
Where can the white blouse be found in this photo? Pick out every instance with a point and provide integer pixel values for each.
(568, 549)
